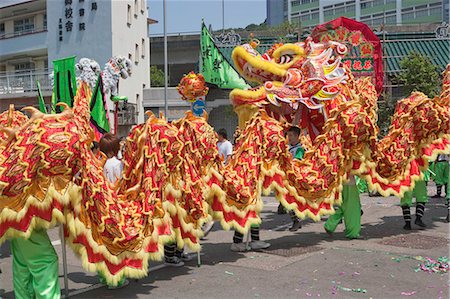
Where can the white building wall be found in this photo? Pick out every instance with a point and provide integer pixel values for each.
(130, 39)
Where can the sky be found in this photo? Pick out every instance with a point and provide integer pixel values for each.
(186, 15)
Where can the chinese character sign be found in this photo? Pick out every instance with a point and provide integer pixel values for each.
(364, 57)
(70, 13)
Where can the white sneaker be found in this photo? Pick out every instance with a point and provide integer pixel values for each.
(256, 245)
(239, 247)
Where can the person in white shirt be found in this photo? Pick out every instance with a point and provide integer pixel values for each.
(225, 147)
(110, 146)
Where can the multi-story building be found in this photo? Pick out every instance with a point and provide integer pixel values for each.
(34, 33)
(276, 11)
(310, 13)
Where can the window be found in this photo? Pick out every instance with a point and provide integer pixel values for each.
(377, 21)
(24, 25)
(315, 15)
(45, 21)
(435, 11)
(2, 28)
(136, 8)
(435, 4)
(130, 56)
(295, 3)
(305, 17)
(143, 48)
(350, 8)
(143, 5)
(378, 3)
(24, 66)
(391, 20)
(328, 12)
(407, 16)
(128, 14)
(136, 53)
(421, 13)
(339, 10)
(306, 1)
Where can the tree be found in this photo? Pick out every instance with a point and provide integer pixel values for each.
(156, 77)
(419, 74)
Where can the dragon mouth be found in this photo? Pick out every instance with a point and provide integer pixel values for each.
(255, 73)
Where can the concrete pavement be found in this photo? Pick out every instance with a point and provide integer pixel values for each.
(307, 263)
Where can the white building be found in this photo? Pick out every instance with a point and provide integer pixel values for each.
(34, 33)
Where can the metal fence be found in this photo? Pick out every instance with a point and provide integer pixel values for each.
(24, 81)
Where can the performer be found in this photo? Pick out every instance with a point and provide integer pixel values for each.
(440, 169)
(256, 244)
(297, 152)
(225, 151)
(225, 146)
(110, 145)
(175, 257)
(35, 267)
(420, 193)
(350, 211)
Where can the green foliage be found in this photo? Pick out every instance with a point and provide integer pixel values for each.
(419, 74)
(156, 77)
(386, 108)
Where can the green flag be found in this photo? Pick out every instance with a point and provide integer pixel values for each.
(214, 67)
(98, 112)
(42, 107)
(65, 82)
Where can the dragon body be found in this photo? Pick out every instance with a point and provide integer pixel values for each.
(173, 179)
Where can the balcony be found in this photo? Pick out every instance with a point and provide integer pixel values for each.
(23, 42)
(24, 82)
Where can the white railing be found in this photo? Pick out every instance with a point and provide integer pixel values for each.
(24, 81)
(4, 35)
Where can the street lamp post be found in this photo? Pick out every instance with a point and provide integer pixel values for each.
(166, 104)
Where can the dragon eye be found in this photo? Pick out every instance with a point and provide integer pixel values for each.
(286, 58)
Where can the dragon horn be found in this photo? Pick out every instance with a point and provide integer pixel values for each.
(33, 111)
(64, 105)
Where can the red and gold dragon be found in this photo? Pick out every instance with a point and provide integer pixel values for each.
(173, 179)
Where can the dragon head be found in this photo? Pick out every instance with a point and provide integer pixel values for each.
(299, 82)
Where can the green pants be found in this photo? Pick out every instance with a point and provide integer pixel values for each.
(419, 192)
(441, 172)
(361, 185)
(350, 210)
(35, 267)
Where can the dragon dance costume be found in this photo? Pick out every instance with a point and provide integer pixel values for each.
(173, 179)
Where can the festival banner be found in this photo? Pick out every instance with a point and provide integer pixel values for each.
(214, 66)
(99, 119)
(65, 82)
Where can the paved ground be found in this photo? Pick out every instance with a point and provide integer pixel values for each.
(304, 264)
